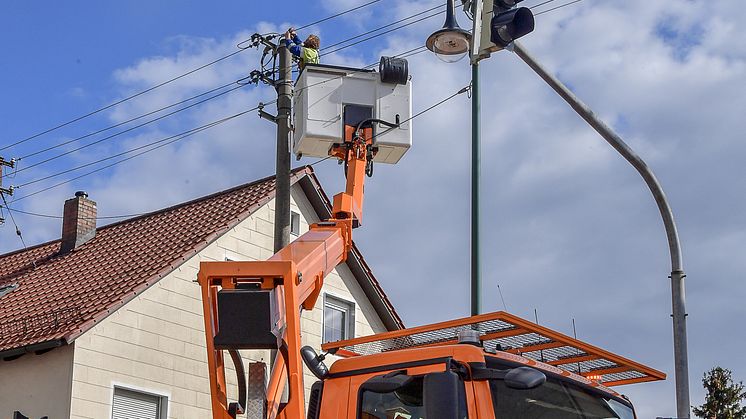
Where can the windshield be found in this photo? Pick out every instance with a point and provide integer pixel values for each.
(555, 399)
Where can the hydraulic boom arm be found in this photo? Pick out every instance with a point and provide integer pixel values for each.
(289, 281)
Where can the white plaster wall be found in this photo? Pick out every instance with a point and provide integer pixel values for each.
(37, 385)
(155, 343)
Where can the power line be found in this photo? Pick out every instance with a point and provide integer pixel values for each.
(411, 52)
(176, 138)
(540, 4)
(126, 130)
(193, 131)
(338, 14)
(18, 230)
(428, 109)
(59, 217)
(124, 122)
(171, 80)
(112, 156)
(382, 33)
(150, 89)
(385, 26)
(226, 85)
(557, 7)
(407, 53)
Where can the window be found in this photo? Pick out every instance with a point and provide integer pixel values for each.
(7, 289)
(339, 319)
(129, 404)
(404, 403)
(294, 223)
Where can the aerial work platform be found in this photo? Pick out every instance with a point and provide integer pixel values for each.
(509, 334)
(328, 97)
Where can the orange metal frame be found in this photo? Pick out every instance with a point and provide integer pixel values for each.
(550, 340)
(296, 273)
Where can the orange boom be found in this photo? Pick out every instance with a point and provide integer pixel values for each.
(486, 366)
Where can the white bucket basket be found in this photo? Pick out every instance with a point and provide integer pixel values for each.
(320, 96)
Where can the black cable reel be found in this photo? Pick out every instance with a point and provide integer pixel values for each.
(393, 70)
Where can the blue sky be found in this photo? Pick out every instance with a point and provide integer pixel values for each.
(569, 227)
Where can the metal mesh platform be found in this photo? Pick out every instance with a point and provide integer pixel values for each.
(505, 332)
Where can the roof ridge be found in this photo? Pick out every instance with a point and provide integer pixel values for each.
(206, 197)
(306, 168)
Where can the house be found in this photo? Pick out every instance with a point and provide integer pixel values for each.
(108, 321)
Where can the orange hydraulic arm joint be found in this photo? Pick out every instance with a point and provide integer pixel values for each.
(257, 305)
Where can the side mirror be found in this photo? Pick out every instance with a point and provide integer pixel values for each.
(524, 378)
(314, 362)
(520, 378)
(441, 395)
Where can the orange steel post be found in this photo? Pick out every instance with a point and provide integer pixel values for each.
(297, 274)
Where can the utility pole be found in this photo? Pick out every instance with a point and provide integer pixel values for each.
(284, 86)
(681, 360)
(5, 191)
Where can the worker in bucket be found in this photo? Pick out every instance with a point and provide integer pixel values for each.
(307, 51)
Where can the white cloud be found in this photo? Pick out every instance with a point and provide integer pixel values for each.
(569, 228)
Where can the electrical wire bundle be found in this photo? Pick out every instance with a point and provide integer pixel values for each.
(267, 70)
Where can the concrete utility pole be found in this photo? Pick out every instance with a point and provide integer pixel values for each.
(681, 361)
(284, 86)
(5, 191)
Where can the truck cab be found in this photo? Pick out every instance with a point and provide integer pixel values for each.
(411, 382)
(470, 374)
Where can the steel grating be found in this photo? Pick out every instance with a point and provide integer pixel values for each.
(508, 333)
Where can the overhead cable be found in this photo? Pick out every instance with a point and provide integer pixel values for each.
(124, 122)
(59, 217)
(337, 15)
(126, 130)
(18, 230)
(111, 105)
(403, 54)
(382, 33)
(173, 139)
(228, 84)
(385, 26)
(171, 80)
(557, 7)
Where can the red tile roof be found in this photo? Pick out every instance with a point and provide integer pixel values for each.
(66, 294)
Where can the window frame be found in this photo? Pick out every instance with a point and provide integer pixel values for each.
(163, 399)
(294, 227)
(341, 304)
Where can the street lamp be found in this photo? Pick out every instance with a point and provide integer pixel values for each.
(503, 24)
(451, 43)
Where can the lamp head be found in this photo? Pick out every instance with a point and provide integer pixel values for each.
(451, 43)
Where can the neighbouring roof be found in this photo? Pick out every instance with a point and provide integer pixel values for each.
(64, 295)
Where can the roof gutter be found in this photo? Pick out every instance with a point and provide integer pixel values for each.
(38, 348)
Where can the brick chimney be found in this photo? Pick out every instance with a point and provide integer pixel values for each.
(78, 222)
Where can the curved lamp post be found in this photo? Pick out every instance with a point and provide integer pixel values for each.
(450, 44)
(678, 297)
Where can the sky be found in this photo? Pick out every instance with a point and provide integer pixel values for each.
(569, 230)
